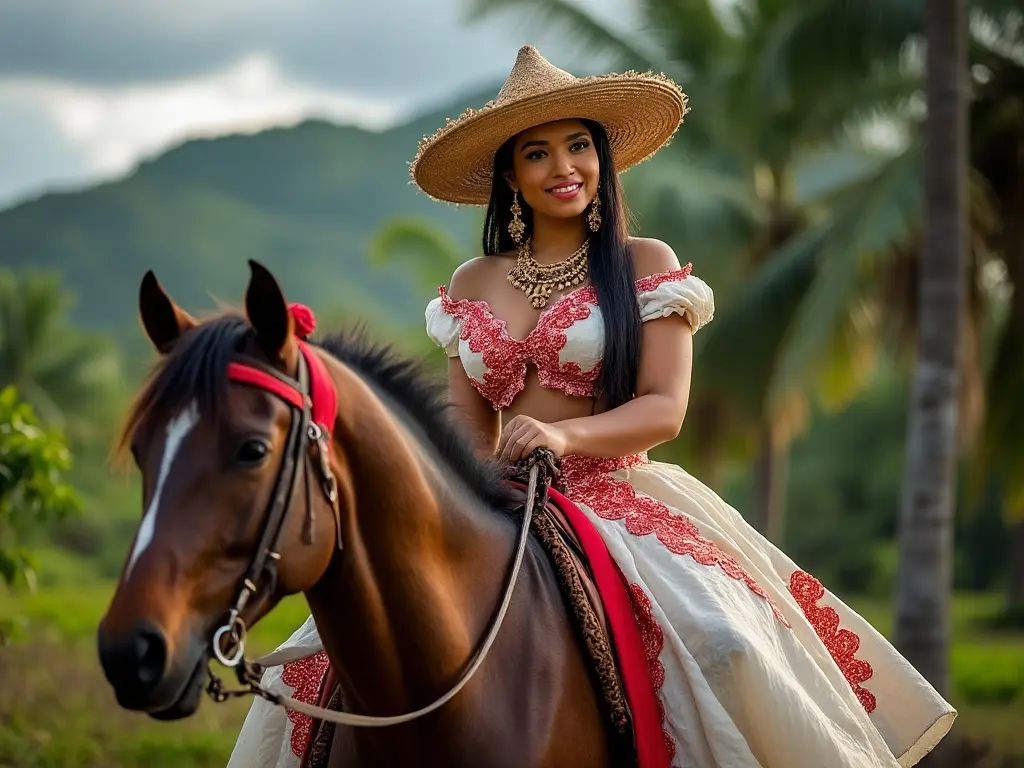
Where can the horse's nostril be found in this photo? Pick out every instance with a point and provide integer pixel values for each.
(134, 663)
(150, 655)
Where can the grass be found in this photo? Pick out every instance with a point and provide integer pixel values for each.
(56, 708)
(72, 614)
(986, 670)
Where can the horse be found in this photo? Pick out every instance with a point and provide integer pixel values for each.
(398, 535)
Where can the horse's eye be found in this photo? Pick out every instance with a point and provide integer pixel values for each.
(252, 452)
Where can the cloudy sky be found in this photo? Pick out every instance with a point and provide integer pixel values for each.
(87, 87)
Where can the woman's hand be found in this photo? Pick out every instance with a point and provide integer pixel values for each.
(522, 435)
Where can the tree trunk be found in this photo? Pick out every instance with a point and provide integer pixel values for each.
(771, 482)
(925, 526)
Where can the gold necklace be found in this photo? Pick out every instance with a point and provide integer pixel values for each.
(538, 280)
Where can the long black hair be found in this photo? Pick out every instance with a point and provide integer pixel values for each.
(610, 264)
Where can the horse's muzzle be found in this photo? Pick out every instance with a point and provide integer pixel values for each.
(144, 678)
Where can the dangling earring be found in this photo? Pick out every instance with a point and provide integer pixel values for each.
(516, 227)
(594, 215)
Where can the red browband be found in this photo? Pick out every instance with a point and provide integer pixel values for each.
(322, 395)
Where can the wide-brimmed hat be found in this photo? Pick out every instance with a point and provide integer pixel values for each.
(639, 111)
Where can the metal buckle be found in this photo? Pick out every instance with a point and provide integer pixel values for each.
(328, 481)
(236, 627)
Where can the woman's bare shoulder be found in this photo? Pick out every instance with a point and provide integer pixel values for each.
(652, 256)
(471, 279)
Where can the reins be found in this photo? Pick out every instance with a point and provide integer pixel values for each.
(308, 432)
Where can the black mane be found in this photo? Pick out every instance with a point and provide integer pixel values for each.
(406, 381)
(196, 368)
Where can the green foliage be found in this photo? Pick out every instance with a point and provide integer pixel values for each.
(59, 711)
(305, 201)
(420, 248)
(65, 375)
(992, 673)
(32, 492)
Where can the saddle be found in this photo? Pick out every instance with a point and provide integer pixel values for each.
(560, 541)
(597, 599)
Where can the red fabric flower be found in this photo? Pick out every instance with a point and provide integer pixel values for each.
(305, 320)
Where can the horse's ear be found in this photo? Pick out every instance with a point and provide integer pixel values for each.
(163, 320)
(268, 312)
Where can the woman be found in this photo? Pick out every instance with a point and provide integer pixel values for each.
(570, 335)
(761, 665)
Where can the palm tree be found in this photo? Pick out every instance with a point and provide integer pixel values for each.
(778, 85)
(422, 248)
(926, 517)
(997, 156)
(63, 374)
(831, 285)
(879, 280)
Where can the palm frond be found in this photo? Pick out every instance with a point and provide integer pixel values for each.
(836, 41)
(586, 32)
(44, 304)
(736, 353)
(692, 32)
(868, 220)
(850, 356)
(769, 61)
(709, 214)
(418, 246)
(886, 95)
(64, 373)
(1005, 17)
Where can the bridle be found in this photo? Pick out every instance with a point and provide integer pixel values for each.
(309, 429)
(313, 401)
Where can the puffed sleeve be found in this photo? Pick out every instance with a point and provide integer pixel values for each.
(676, 292)
(442, 327)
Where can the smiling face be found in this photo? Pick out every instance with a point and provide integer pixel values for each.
(556, 169)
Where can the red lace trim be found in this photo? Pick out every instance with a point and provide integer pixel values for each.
(842, 644)
(649, 283)
(588, 482)
(305, 676)
(653, 638)
(506, 358)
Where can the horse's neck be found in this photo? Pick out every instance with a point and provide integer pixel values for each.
(403, 606)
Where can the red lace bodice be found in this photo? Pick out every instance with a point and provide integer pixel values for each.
(566, 346)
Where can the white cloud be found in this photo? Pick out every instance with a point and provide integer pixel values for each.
(87, 92)
(114, 127)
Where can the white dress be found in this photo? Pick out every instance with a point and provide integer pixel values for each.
(755, 663)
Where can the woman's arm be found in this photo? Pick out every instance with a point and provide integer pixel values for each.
(656, 414)
(475, 414)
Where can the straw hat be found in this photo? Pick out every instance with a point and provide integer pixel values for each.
(640, 112)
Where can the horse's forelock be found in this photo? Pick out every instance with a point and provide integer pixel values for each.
(194, 370)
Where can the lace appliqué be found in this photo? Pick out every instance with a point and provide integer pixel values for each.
(649, 283)
(507, 358)
(589, 483)
(653, 638)
(842, 644)
(305, 676)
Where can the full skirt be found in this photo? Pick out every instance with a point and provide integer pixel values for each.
(755, 663)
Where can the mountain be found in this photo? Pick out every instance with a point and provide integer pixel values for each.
(303, 200)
